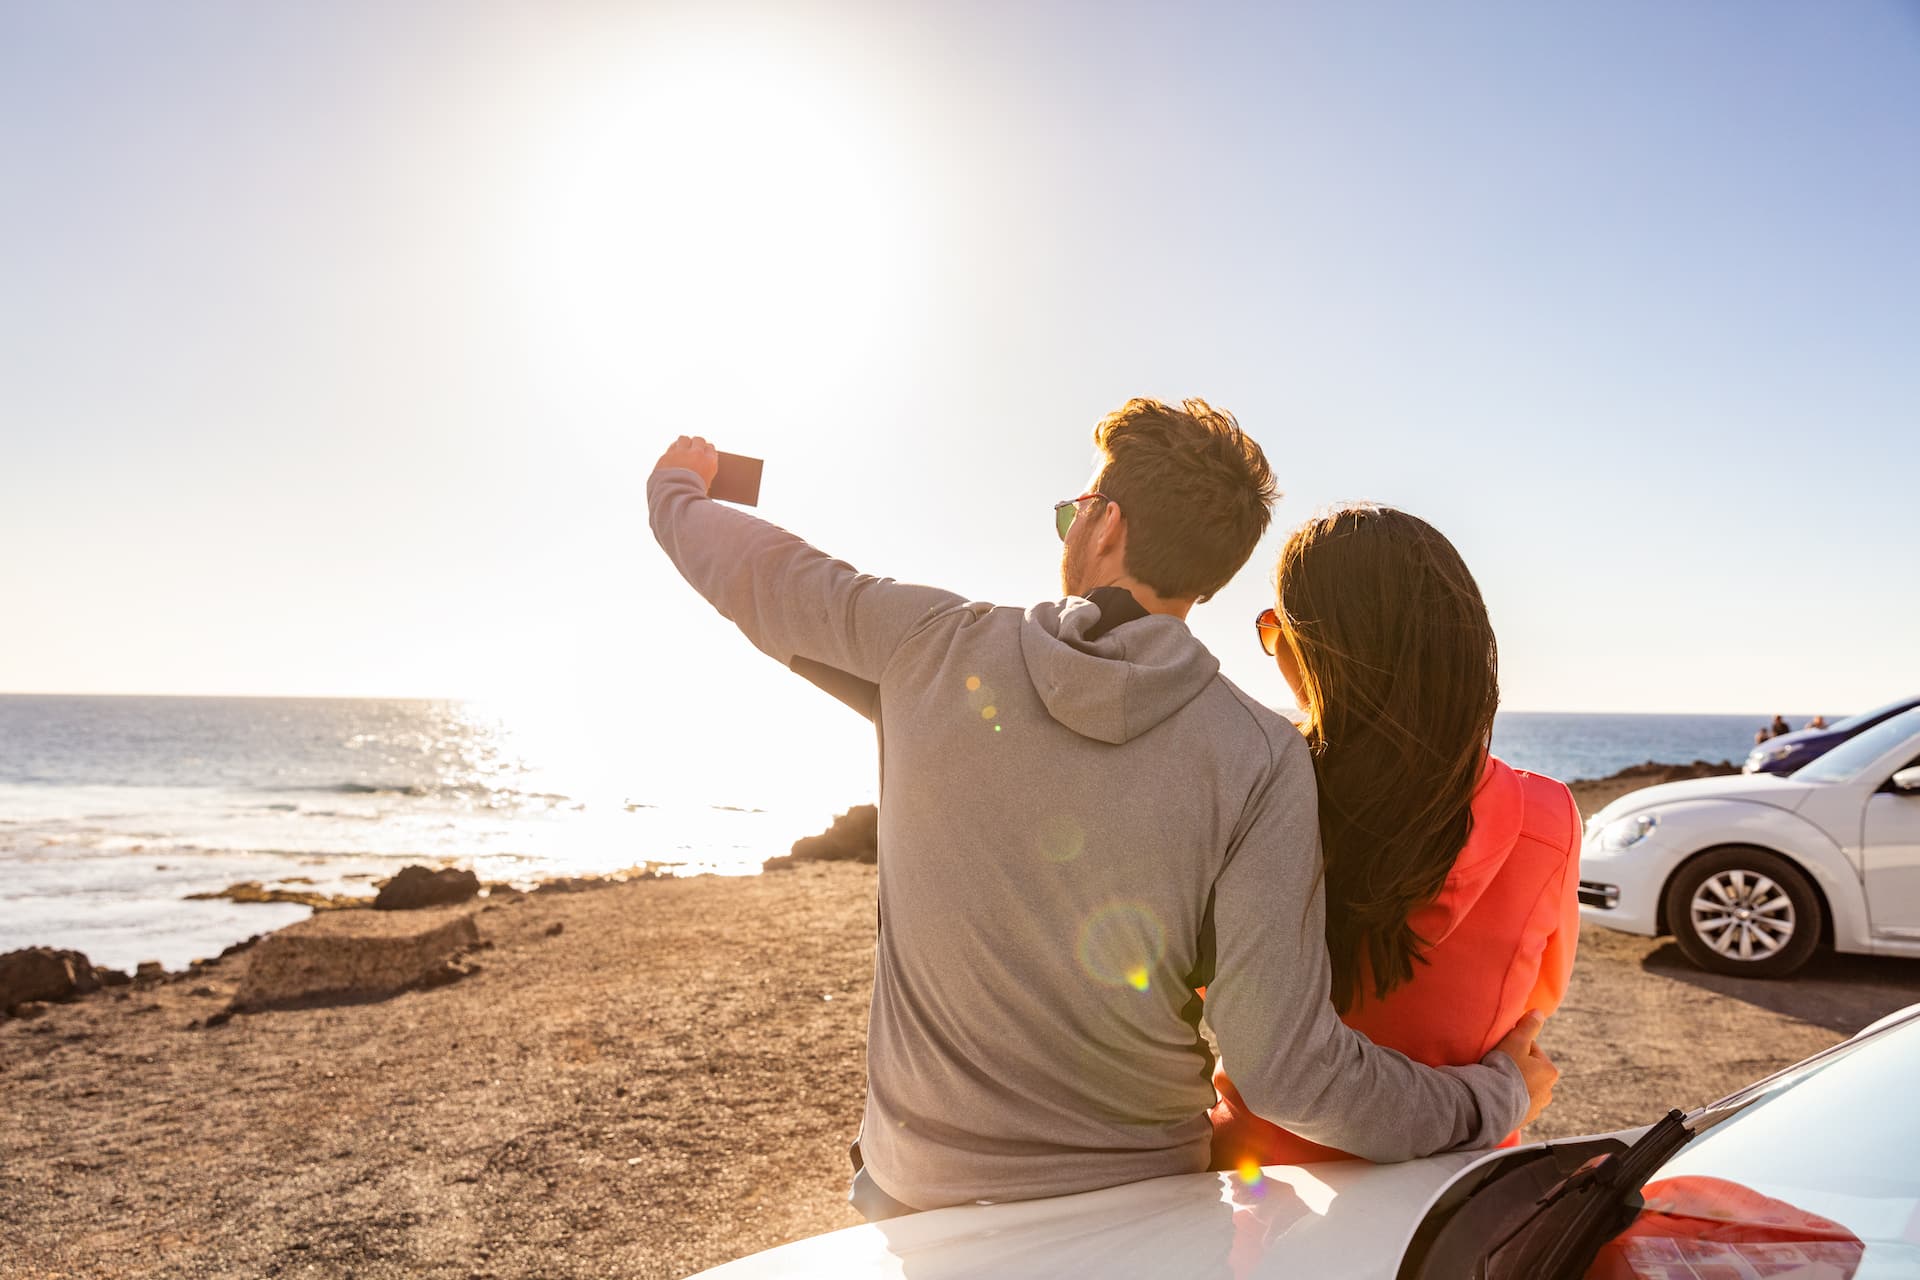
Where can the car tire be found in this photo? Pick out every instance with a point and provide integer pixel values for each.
(1706, 898)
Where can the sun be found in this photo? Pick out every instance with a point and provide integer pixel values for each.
(721, 218)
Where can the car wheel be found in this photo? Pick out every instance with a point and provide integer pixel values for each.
(1744, 911)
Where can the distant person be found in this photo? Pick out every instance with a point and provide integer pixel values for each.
(1778, 727)
(1818, 722)
(1452, 880)
(1760, 736)
(1081, 821)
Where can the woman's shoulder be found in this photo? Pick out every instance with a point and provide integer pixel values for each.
(1548, 814)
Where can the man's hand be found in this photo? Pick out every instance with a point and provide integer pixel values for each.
(1536, 1068)
(694, 454)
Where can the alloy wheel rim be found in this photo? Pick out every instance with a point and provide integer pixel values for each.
(1743, 915)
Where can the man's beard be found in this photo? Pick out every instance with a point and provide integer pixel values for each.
(1073, 562)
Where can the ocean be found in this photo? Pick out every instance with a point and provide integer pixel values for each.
(114, 809)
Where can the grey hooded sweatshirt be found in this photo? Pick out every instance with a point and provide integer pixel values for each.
(1074, 834)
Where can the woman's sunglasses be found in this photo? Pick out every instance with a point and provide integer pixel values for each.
(1268, 624)
(1064, 512)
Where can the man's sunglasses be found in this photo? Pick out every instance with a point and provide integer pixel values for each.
(1268, 624)
(1064, 512)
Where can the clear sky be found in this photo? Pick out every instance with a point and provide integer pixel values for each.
(337, 338)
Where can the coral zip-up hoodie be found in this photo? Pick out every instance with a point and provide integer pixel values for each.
(1502, 935)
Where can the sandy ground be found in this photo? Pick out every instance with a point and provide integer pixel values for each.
(667, 1083)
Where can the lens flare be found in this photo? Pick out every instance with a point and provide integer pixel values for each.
(1121, 944)
(1249, 1171)
(980, 698)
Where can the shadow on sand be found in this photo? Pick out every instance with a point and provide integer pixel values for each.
(1841, 993)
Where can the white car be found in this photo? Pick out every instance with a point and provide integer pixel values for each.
(1750, 873)
(1820, 1183)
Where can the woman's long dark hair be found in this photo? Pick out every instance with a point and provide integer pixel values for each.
(1400, 674)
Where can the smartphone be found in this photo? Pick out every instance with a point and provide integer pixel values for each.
(737, 480)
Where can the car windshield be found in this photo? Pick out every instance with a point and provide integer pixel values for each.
(1846, 760)
(1867, 717)
(1812, 1169)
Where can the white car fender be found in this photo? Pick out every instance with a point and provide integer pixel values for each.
(1692, 827)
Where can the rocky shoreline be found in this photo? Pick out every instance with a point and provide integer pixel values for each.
(35, 976)
(1595, 794)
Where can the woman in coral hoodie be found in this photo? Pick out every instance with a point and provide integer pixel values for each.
(1451, 878)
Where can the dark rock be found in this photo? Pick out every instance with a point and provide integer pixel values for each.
(1654, 772)
(221, 1018)
(43, 973)
(254, 891)
(238, 947)
(149, 971)
(853, 837)
(29, 1009)
(353, 955)
(203, 991)
(555, 929)
(418, 887)
(111, 977)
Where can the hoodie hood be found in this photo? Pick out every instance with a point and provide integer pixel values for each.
(1121, 684)
(1499, 809)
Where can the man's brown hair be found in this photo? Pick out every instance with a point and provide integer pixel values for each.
(1194, 488)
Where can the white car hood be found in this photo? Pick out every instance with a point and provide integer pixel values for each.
(1341, 1220)
(1756, 788)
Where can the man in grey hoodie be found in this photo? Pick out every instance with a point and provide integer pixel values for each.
(1081, 822)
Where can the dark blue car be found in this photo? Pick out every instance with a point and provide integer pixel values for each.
(1789, 751)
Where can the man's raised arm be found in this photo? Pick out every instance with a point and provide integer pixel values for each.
(790, 599)
(1293, 1060)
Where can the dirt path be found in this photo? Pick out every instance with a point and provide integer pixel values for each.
(668, 1082)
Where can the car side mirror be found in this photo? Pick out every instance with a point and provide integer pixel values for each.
(1907, 781)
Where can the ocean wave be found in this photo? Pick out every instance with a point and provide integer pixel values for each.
(419, 790)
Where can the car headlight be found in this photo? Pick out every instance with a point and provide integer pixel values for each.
(1624, 833)
(1770, 754)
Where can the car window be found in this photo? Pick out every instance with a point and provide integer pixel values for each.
(1818, 1169)
(1846, 760)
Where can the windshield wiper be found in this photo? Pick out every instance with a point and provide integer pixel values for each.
(1587, 1208)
